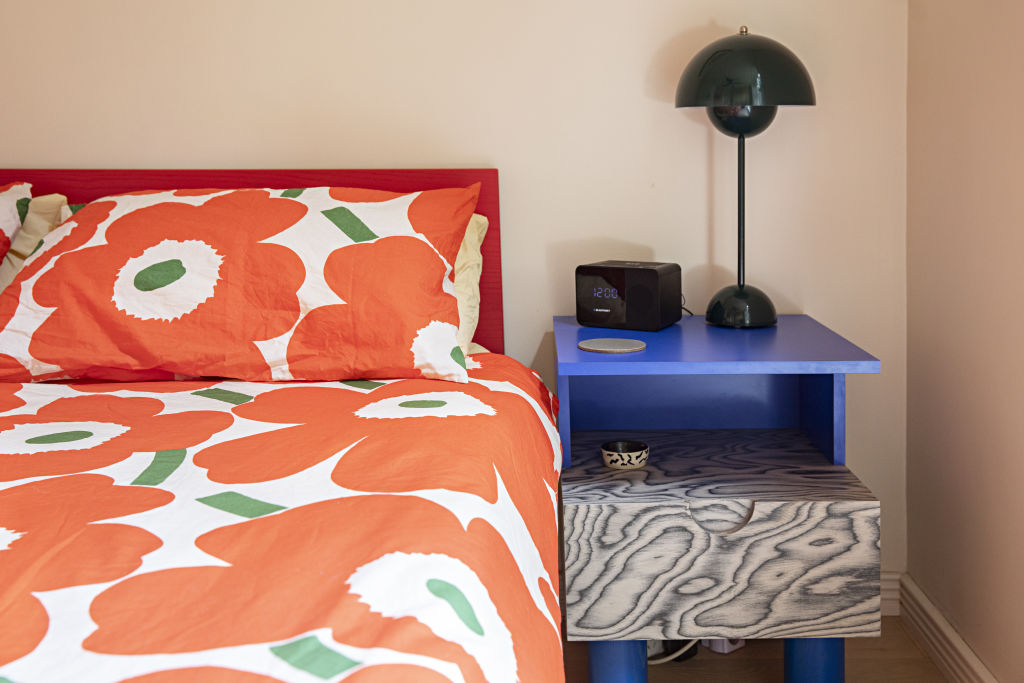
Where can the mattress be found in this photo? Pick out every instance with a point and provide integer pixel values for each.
(400, 530)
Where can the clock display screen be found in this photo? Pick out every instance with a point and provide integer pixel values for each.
(602, 295)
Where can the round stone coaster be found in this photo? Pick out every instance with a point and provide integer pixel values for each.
(612, 345)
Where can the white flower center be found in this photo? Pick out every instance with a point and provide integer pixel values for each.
(445, 595)
(46, 437)
(433, 350)
(430, 404)
(168, 280)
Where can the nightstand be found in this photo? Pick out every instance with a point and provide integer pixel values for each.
(744, 523)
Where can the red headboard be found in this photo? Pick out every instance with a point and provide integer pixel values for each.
(81, 186)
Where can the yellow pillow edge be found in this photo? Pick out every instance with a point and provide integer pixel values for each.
(468, 266)
(44, 214)
(476, 348)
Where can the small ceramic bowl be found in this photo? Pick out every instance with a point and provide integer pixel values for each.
(625, 455)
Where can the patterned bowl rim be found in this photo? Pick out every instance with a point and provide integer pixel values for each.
(623, 447)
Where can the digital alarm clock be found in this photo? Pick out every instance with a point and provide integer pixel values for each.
(628, 295)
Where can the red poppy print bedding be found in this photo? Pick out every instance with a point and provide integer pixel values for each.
(315, 284)
(358, 531)
(14, 199)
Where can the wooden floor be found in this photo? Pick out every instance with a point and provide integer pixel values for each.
(893, 658)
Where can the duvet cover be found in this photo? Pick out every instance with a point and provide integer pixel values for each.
(351, 531)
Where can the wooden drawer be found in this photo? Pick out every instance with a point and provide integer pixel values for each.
(747, 533)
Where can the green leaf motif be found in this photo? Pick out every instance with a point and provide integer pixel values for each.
(159, 275)
(454, 597)
(216, 394)
(367, 384)
(60, 437)
(164, 464)
(310, 655)
(22, 205)
(294, 192)
(349, 224)
(38, 245)
(237, 504)
(75, 208)
(459, 357)
(422, 403)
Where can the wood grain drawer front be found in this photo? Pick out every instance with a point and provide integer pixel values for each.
(759, 541)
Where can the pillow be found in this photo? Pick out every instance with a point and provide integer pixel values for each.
(468, 266)
(254, 284)
(47, 212)
(14, 199)
(44, 214)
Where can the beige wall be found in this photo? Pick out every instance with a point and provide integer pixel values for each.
(571, 100)
(965, 246)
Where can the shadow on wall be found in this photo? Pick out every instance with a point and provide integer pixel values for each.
(672, 57)
(544, 360)
(561, 262)
(563, 257)
(702, 281)
(699, 282)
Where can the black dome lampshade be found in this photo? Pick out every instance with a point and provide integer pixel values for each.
(741, 80)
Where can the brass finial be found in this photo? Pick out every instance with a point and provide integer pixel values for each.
(744, 30)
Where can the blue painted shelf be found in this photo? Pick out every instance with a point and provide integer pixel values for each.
(695, 376)
(797, 345)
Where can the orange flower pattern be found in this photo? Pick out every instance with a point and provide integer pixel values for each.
(101, 387)
(411, 297)
(48, 541)
(85, 433)
(360, 531)
(154, 296)
(9, 399)
(74, 233)
(242, 284)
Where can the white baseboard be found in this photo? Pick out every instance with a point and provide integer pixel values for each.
(938, 637)
(890, 594)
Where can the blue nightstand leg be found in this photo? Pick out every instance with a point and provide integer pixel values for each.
(618, 661)
(815, 660)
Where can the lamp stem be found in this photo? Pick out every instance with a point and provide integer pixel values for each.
(740, 279)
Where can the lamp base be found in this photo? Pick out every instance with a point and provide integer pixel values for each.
(740, 306)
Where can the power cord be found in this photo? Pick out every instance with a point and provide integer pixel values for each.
(680, 651)
(683, 304)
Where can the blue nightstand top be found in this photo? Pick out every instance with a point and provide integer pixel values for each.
(797, 345)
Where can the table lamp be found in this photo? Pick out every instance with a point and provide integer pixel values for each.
(741, 80)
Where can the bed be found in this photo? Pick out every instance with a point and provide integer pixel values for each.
(270, 457)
